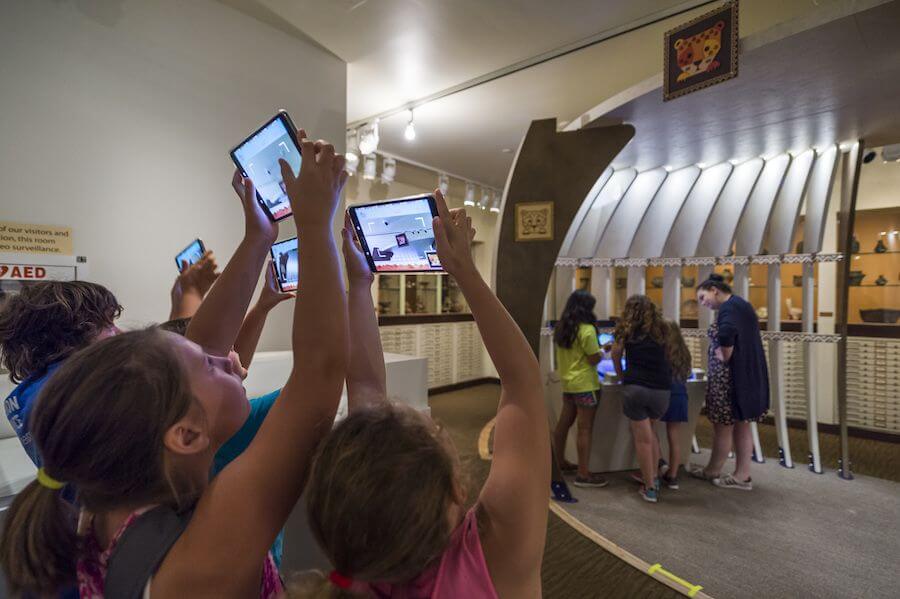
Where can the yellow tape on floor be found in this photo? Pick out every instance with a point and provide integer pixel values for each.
(656, 570)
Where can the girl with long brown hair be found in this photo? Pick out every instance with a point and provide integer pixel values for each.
(642, 336)
(133, 423)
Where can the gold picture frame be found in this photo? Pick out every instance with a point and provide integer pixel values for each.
(534, 221)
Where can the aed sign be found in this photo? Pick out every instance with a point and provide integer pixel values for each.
(35, 272)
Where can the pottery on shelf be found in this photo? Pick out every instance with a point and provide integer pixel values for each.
(798, 279)
(728, 275)
(880, 248)
(621, 283)
(856, 278)
(762, 313)
(880, 315)
(881, 281)
(793, 313)
(689, 308)
(657, 282)
(688, 281)
(854, 245)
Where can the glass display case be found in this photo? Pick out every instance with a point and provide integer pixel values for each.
(419, 295)
(874, 296)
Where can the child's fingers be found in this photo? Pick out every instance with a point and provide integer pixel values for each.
(308, 153)
(440, 235)
(441, 204)
(287, 175)
(326, 153)
(338, 165)
(237, 182)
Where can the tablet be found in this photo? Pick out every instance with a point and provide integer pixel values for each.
(257, 158)
(191, 254)
(286, 263)
(397, 235)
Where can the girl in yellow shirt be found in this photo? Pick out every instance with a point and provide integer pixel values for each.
(577, 355)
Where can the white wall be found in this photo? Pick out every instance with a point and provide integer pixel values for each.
(116, 117)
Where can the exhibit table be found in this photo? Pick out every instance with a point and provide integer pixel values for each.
(612, 448)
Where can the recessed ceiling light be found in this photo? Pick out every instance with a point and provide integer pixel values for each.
(668, 168)
(506, 150)
(701, 165)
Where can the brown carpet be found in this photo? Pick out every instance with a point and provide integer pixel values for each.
(869, 457)
(574, 567)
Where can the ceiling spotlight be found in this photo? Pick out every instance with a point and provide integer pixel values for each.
(388, 170)
(410, 132)
(845, 146)
(495, 203)
(369, 167)
(485, 199)
(368, 138)
(470, 195)
(444, 183)
(668, 168)
(701, 165)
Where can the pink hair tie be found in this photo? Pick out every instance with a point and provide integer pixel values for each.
(339, 580)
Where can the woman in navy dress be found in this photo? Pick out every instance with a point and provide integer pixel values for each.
(737, 346)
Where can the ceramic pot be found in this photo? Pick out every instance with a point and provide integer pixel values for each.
(798, 279)
(880, 248)
(688, 281)
(881, 281)
(856, 278)
(657, 282)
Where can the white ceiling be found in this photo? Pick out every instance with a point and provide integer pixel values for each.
(401, 50)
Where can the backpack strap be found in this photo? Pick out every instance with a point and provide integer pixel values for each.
(141, 549)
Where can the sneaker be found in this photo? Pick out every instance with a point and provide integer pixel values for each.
(663, 467)
(727, 481)
(671, 483)
(698, 471)
(651, 495)
(594, 481)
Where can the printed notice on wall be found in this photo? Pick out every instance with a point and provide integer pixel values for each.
(35, 239)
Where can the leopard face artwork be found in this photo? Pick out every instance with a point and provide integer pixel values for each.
(534, 221)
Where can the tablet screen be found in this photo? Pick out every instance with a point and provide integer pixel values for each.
(258, 158)
(191, 254)
(287, 264)
(397, 236)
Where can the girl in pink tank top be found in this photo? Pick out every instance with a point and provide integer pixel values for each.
(386, 498)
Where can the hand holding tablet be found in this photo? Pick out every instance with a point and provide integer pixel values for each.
(398, 235)
(258, 156)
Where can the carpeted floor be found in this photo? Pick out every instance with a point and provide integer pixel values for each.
(794, 535)
(867, 457)
(574, 567)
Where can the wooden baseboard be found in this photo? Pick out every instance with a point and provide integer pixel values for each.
(488, 380)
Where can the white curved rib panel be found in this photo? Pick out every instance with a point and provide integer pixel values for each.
(625, 220)
(787, 204)
(748, 239)
(719, 231)
(696, 210)
(575, 225)
(817, 197)
(658, 219)
(597, 217)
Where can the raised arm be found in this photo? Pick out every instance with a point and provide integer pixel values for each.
(251, 330)
(516, 493)
(366, 379)
(263, 484)
(219, 318)
(191, 285)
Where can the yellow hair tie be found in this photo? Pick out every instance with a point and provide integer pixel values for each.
(48, 481)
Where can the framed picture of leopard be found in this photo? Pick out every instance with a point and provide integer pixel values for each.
(701, 52)
(534, 221)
